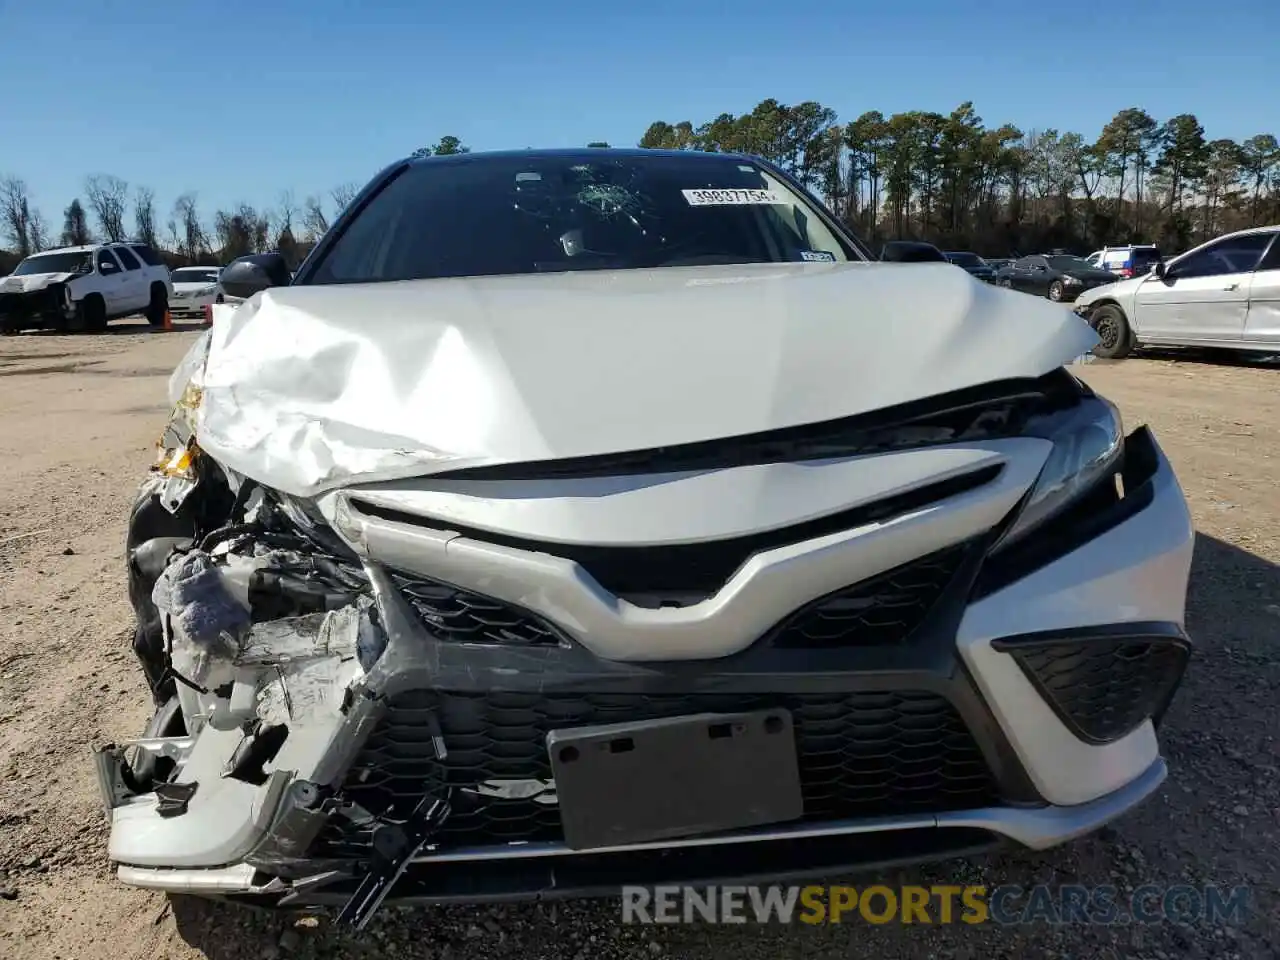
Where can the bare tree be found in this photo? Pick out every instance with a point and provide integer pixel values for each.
(175, 238)
(38, 232)
(109, 198)
(314, 218)
(15, 213)
(144, 215)
(343, 194)
(287, 211)
(191, 235)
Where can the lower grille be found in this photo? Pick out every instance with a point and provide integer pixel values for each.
(861, 754)
(1103, 688)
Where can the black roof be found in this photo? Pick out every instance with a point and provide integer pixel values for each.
(576, 153)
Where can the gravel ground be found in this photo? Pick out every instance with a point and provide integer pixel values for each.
(79, 418)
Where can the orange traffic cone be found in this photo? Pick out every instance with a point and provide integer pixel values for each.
(208, 315)
(168, 319)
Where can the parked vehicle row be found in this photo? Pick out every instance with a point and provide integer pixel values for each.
(1061, 278)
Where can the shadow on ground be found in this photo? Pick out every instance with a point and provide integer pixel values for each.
(1214, 823)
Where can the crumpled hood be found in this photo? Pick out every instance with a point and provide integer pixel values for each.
(186, 287)
(30, 283)
(310, 388)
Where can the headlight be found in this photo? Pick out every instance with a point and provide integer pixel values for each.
(1087, 442)
(1070, 280)
(204, 291)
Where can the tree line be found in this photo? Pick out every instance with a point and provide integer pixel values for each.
(950, 179)
(112, 209)
(955, 181)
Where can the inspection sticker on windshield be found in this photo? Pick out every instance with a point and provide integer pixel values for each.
(722, 198)
(817, 256)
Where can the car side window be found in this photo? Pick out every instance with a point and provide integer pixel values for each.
(107, 263)
(147, 255)
(1272, 259)
(127, 259)
(1228, 255)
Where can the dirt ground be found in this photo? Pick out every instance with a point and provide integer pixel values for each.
(78, 417)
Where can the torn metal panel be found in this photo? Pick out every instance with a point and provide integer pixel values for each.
(307, 389)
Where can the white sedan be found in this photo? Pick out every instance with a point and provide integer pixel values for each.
(194, 288)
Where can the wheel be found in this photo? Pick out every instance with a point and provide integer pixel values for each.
(1055, 291)
(90, 315)
(1114, 336)
(158, 306)
(1005, 282)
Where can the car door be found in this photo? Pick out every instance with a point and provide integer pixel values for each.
(1020, 273)
(1036, 276)
(1262, 322)
(1203, 295)
(111, 282)
(135, 292)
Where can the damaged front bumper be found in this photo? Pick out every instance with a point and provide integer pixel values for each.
(345, 749)
(48, 306)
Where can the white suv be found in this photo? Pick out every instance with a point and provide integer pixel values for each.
(82, 288)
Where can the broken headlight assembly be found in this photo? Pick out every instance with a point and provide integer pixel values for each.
(1088, 441)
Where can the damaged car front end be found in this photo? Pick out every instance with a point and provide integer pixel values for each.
(480, 584)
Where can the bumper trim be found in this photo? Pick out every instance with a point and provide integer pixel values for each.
(1034, 828)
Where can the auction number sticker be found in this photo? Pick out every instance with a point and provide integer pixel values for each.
(817, 256)
(723, 198)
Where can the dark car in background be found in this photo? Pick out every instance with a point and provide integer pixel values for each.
(911, 251)
(973, 264)
(1060, 277)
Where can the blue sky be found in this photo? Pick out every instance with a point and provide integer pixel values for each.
(240, 100)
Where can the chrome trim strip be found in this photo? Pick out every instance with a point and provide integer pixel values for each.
(770, 584)
(1034, 827)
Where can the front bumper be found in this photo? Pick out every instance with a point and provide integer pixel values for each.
(189, 307)
(39, 308)
(940, 746)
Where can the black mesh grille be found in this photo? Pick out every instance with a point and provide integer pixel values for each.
(1103, 688)
(861, 754)
(460, 616)
(884, 609)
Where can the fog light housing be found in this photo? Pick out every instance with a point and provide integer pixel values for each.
(1103, 685)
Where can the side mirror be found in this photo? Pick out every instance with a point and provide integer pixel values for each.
(1158, 270)
(106, 266)
(246, 276)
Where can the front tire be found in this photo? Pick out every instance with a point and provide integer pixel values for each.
(90, 315)
(1056, 291)
(1114, 334)
(158, 306)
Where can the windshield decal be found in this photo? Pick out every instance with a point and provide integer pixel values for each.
(817, 256)
(722, 198)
